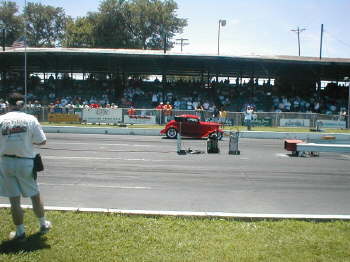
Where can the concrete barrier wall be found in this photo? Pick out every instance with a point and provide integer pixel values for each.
(155, 132)
(102, 130)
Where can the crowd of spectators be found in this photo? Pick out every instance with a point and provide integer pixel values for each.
(67, 94)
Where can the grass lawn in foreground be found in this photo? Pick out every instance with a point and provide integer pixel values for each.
(112, 237)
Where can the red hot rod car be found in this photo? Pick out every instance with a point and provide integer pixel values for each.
(191, 126)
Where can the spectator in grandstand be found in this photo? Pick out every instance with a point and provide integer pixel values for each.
(3, 106)
(159, 113)
(168, 111)
(70, 109)
(114, 106)
(215, 112)
(206, 105)
(51, 108)
(223, 116)
(52, 96)
(177, 104)
(343, 115)
(154, 99)
(200, 111)
(195, 104)
(94, 105)
(131, 111)
(317, 107)
(36, 109)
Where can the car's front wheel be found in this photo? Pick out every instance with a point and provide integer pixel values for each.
(171, 133)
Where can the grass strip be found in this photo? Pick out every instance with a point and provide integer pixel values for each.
(114, 237)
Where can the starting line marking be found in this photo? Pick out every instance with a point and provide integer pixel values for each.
(241, 216)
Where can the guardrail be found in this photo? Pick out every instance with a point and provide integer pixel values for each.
(152, 116)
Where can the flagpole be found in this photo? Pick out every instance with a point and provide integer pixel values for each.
(25, 56)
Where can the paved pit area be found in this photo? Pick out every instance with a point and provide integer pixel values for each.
(146, 173)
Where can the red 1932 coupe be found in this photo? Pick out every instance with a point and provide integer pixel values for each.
(191, 126)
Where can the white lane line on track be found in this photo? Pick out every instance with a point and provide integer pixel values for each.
(101, 144)
(107, 158)
(252, 216)
(282, 155)
(95, 186)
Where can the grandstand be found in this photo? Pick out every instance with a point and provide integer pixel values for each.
(291, 84)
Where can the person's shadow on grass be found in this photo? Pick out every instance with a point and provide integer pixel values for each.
(32, 243)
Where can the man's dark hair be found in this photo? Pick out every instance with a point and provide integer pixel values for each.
(14, 98)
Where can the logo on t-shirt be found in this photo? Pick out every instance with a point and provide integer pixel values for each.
(13, 127)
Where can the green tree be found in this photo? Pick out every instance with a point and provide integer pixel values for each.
(10, 21)
(45, 25)
(79, 33)
(153, 21)
(127, 24)
(110, 29)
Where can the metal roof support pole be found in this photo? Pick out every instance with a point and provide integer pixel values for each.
(348, 105)
(123, 81)
(3, 39)
(348, 112)
(164, 84)
(202, 80)
(208, 79)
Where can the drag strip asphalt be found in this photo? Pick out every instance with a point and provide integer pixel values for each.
(145, 173)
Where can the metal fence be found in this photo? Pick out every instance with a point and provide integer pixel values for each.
(161, 117)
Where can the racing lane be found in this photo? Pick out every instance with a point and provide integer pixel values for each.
(145, 173)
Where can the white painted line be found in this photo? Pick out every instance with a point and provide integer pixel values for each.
(95, 186)
(110, 158)
(283, 155)
(100, 144)
(194, 214)
(336, 148)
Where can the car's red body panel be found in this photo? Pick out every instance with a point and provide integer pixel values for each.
(191, 126)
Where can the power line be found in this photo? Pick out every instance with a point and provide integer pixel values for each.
(335, 38)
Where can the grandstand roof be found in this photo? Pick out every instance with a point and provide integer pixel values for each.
(79, 60)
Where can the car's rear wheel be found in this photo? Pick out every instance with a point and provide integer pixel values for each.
(171, 133)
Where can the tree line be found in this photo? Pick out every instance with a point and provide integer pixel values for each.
(139, 24)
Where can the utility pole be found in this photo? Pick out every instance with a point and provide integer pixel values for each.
(182, 42)
(298, 31)
(321, 41)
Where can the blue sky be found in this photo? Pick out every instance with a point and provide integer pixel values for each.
(254, 27)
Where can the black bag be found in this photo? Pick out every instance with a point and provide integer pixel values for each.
(38, 163)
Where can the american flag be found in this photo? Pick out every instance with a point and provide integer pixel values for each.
(19, 43)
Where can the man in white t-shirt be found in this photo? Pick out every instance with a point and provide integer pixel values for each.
(248, 117)
(19, 132)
